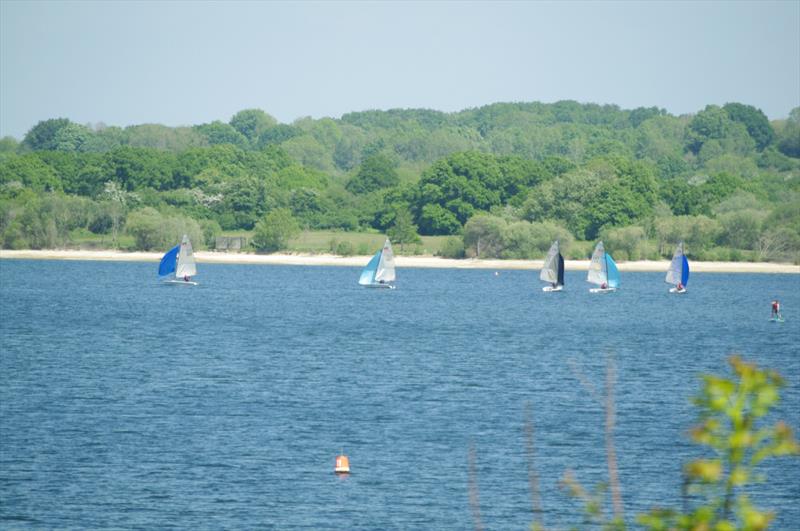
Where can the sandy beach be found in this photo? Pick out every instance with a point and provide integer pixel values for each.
(402, 261)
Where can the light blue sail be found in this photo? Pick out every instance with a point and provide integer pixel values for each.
(168, 262)
(368, 274)
(612, 272)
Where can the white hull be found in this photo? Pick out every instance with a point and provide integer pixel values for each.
(676, 290)
(380, 286)
(602, 290)
(551, 288)
(180, 282)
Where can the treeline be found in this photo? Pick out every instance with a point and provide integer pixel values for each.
(510, 175)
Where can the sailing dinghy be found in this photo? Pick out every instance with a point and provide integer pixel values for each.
(678, 272)
(379, 272)
(603, 271)
(177, 266)
(553, 270)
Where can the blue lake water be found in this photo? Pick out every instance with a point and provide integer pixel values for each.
(128, 404)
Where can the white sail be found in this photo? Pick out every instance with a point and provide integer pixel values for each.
(597, 267)
(675, 267)
(550, 270)
(186, 266)
(385, 271)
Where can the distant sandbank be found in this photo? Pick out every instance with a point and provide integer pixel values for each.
(402, 261)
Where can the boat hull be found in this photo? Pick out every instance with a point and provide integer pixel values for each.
(379, 286)
(180, 283)
(602, 290)
(676, 290)
(551, 288)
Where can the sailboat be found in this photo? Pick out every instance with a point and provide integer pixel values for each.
(603, 271)
(678, 272)
(553, 270)
(379, 272)
(177, 264)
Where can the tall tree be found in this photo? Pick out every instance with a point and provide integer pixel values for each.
(252, 122)
(754, 120)
(42, 136)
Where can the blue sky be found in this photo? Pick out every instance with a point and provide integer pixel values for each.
(185, 63)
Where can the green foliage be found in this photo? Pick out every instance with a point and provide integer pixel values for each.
(28, 171)
(626, 243)
(251, 123)
(8, 144)
(588, 167)
(376, 172)
(712, 132)
(221, 133)
(789, 138)
(699, 232)
(42, 136)
(403, 230)
(483, 236)
(154, 231)
(273, 232)
(453, 247)
(731, 427)
(754, 120)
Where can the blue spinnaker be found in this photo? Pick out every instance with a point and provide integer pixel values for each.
(368, 274)
(685, 271)
(167, 265)
(612, 272)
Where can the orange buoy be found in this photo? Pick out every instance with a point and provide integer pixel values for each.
(342, 464)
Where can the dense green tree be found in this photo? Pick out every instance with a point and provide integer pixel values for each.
(740, 229)
(524, 240)
(73, 137)
(273, 232)
(154, 231)
(251, 123)
(376, 172)
(789, 138)
(483, 236)
(160, 137)
(277, 134)
(221, 133)
(135, 168)
(29, 171)
(42, 136)
(403, 230)
(712, 132)
(8, 144)
(754, 120)
(641, 114)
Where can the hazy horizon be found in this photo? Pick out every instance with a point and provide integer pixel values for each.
(187, 63)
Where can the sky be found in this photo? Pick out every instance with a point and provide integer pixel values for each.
(186, 63)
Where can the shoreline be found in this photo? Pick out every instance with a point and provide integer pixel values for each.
(210, 257)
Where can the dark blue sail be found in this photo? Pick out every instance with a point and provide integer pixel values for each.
(167, 265)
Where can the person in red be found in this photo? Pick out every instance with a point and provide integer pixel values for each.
(776, 308)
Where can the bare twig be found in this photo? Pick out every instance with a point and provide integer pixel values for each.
(608, 403)
(474, 502)
(590, 388)
(611, 452)
(533, 478)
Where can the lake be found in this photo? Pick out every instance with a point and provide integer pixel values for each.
(128, 404)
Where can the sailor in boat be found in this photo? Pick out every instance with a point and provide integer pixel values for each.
(603, 286)
(680, 286)
(186, 278)
(776, 309)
